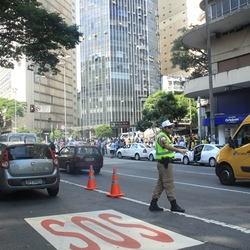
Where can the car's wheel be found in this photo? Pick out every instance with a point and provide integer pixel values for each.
(185, 160)
(212, 162)
(226, 175)
(151, 157)
(119, 155)
(52, 191)
(97, 170)
(69, 169)
(137, 157)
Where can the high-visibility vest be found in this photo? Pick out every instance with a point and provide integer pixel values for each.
(163, 152)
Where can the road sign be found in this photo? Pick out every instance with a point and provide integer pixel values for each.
(125, 124)
(42, 108)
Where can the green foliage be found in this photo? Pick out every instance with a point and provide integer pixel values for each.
(189, 103)
(189, 59)
(143, 124)
(22, 129)
(159, 107)
(103, 131)
(56, 136)
(76, 135)
(28, 29)
(39, 133)
(7, 108)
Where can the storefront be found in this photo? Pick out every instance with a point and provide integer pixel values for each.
(225, 125)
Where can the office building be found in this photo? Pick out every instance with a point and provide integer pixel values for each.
(58, 92)
(175, 15)
(229, 29)
(119, 59)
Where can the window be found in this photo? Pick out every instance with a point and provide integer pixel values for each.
(242, 137)
(243, 2)
(234, 4)
(225, 6)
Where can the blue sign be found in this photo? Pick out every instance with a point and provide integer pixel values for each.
(225, 119)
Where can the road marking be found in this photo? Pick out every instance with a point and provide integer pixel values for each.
(209, 221)
(184, 183)
(106, 229)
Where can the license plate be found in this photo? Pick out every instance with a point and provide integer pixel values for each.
(90, 159)
(34, 182)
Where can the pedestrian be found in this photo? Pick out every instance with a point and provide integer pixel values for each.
(164, 156)
(112, 149)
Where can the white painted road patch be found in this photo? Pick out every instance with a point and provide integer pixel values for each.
(106, 229)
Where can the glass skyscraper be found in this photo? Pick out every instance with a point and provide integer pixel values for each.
(119, 59)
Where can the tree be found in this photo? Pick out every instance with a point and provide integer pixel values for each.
(189, 59)
(22, 129)
(28, 29)
(56, 135)
(190, 103)
(8, 110)
(103, 131)
(159, 107)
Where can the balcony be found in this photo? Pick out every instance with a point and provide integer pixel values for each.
(226, 22)
(225, 81)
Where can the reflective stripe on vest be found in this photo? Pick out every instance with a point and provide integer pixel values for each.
(163, 152)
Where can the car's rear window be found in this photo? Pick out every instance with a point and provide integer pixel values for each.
(29, 151)
(88, 150)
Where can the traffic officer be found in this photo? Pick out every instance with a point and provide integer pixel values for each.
(165, 156)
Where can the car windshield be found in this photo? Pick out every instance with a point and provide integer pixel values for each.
(29, 151)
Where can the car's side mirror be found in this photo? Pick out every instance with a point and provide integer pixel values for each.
(230, 142)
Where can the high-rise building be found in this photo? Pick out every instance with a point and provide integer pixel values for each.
(173, 16)
(119, 59)
(227, 31)
(57, 91)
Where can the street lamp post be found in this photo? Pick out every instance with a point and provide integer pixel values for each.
(64, 84)
(40, 114)
(15, 90)
(122, 101)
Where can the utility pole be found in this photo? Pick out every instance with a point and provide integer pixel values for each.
(210, 76)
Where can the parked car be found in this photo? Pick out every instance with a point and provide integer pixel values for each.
(25, 166)
(177, 157)
(76, 157)
(203, 154)
(134, 150)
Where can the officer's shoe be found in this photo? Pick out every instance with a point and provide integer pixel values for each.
(176, 208)
(154, 207)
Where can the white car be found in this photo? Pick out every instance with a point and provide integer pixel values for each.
(177, 157)
(134, 150)
(203, 154)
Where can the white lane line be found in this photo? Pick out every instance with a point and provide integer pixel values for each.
(187, 184)
(209, 221)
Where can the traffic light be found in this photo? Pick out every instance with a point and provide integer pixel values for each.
(32, 108)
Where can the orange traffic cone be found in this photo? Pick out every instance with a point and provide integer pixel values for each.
(115, 187)
(91, 180)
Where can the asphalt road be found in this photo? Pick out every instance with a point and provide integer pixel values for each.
(217, 217)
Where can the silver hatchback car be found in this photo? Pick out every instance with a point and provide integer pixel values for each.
(25, 166)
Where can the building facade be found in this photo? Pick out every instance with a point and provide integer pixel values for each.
(59, 92)
(119, 59)
(229, 26)
(175, 15)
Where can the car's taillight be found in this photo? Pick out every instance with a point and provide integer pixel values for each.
(5, 160)
(55, 161)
